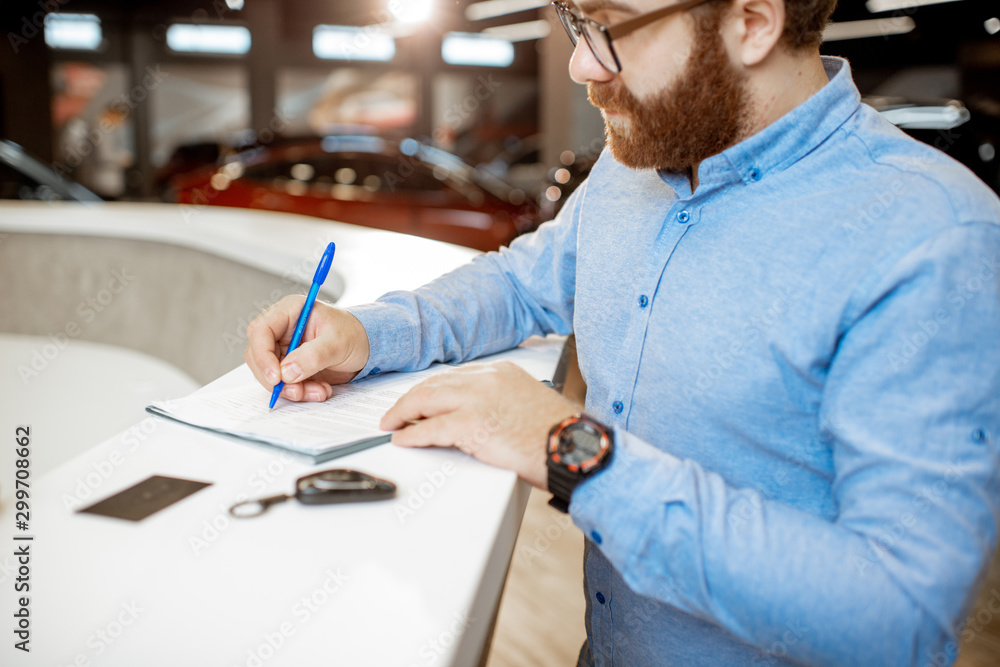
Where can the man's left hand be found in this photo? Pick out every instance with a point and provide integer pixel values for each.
(497, 412)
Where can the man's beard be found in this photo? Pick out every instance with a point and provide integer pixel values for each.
(702, 114)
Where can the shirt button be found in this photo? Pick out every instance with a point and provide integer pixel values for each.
(596, 536)
(618, 407)
(754, 174)
(643, 301)
(375, 371)
(600, 597)
(979, 436)
(683, 216)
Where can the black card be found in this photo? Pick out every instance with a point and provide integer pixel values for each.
(147, 497)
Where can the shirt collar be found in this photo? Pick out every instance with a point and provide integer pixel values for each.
(784, 141)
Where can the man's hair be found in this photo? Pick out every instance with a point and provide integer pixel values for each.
(805, 21)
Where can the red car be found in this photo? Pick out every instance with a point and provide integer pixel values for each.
(404, 186)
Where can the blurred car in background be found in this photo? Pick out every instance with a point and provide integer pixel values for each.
(23, 177)
(403, 186)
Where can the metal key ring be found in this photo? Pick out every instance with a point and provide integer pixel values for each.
(255, 507)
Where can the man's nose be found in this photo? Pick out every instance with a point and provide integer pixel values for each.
(584, 66)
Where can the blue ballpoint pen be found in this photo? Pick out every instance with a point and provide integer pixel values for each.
(300, 326)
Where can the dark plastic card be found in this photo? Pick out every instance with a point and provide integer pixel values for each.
(147, 497)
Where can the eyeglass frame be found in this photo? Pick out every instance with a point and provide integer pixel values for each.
(616, 31)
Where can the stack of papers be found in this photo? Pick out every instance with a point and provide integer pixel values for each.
(236, 406)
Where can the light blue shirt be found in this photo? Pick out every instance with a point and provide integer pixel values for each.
(801, 362)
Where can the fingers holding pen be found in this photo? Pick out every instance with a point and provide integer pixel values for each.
(265, 335)
(333, 349)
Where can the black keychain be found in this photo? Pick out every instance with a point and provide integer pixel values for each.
(327, 486)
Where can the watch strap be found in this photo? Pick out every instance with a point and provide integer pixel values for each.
(561, 485)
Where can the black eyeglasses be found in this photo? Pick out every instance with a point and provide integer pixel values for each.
(599, 37)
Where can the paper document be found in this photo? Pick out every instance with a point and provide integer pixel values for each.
(236, 405)
(348, 420)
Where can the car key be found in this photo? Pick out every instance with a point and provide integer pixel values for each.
(327, 486)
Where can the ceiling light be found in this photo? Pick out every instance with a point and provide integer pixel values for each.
(73, 31)
(462, 48)
(411, 11)
(876, 6)
(478, 11)
(520, 32)
(992, 25)
(199, 38)
(342, 42)
(897, 25)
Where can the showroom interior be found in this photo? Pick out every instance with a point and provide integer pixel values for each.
(450, 120)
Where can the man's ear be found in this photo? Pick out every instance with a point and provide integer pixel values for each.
(755, 28)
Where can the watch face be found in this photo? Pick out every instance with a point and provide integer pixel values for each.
(579, 443)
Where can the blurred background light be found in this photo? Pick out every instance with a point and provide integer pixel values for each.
(73, 31)
(411, 11)
(341, 42)
(876, 6)
(478, 11)
(197, 38)
(897, 25)
(520, 32)
(464, 48)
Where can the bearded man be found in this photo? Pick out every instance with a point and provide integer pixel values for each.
(786, 315)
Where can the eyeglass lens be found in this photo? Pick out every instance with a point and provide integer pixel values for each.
(596, 39)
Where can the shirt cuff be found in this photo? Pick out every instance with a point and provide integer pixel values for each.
(615, 507)
(391, 339)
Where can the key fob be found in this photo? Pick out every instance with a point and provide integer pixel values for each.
(341, 486)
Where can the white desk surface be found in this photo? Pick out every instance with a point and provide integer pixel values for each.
(409, 581)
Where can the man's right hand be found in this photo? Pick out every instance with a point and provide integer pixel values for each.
(334, 348)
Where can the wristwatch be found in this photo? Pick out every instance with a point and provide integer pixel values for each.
(578, 447)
